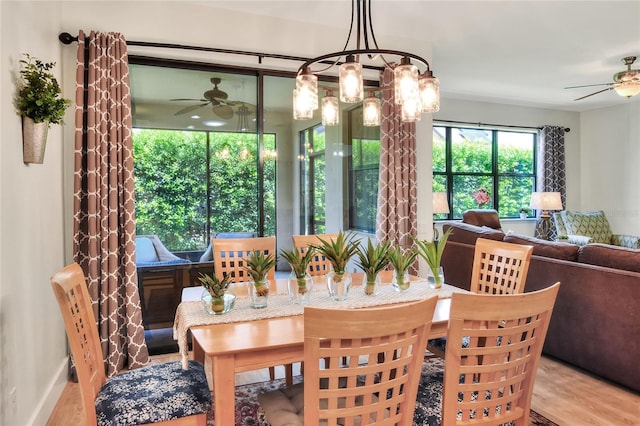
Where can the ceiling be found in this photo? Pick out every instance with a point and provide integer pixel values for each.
(516, 52)
(513, 52)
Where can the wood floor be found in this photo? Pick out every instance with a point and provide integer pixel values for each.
(561, 393)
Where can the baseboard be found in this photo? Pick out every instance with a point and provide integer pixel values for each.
(45, 406)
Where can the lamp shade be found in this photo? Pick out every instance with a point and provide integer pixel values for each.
(440, 203)
(546, 201)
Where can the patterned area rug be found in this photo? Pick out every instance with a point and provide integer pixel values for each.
(248, 410)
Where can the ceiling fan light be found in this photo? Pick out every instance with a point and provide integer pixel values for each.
(371, 112)
(405, 78)
(351, 85)
(627, 88)
(330, 115)
(429, 92)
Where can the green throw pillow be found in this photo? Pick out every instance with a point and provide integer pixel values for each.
(591, 224)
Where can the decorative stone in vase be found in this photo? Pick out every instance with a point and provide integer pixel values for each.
(300, 288)
(218, 305)
(338, 285)
(259, 293)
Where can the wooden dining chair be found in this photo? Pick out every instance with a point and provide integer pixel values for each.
(229, 258)
(498, 268)
(319, 265)
(159, 393)
(489, 380)
(378, 384)
(230, 255)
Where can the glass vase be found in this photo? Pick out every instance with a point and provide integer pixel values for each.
(401, 281)
(300, 289)
(259, 293)
(435, 282)
(217, 305)
(338, 285)
(371, 287)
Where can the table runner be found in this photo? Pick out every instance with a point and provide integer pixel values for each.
(191, 314)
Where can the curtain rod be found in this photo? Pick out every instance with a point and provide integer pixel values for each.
(566, 129)
(67, 38)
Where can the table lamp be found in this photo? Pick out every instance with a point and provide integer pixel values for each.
(440, 205)
(545, 201)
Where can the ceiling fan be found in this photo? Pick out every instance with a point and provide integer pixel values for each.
(625, 83)
(219, 101)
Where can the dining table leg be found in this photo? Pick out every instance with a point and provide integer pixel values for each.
(224, 389)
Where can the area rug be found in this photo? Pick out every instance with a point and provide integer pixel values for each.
(248, 411)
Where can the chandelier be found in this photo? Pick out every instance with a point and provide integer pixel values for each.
(414, 91)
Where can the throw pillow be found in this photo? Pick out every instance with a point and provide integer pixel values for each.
(591, 224)
(145, 251)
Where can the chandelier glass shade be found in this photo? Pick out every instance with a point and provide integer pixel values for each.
(414, 91)
(627, 88)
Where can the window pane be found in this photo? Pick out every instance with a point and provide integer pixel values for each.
(515, 152)
(170, 185)
(439, 152)
(515, 193)
(464, 186)
(471, 150)
(269, 184)
(319, 200)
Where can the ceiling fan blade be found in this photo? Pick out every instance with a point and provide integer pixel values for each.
(594, 93)
(190, 108)
(589, 85)
(189, 99)
(223, 111)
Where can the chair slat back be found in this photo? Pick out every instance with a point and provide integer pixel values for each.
(371, 363)
(70, 288)
(230, 256)
(489, 378)
(499, 267)
(319, 265)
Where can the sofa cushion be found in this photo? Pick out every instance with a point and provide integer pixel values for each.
(145, 251)
(592, 224)
(554, 249)
(610, 256)
(482, 217)
(468, 234)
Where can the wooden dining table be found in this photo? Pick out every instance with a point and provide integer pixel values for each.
(244, 345)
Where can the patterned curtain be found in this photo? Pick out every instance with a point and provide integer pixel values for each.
(104, 209)
(396, 219)
(551, 173)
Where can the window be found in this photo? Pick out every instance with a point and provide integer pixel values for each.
(312, 181)
(364, 163)
(469, 160)
(192, 183)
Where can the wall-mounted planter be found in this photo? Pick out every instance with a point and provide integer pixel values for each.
(34, 140)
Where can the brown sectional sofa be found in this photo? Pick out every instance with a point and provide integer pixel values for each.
(596, 320)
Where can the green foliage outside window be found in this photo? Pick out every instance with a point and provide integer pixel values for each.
(173, 196)
(499, 161)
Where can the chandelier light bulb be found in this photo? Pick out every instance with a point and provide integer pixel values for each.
(351, 85)
(330, 114)
(405, 77)
(429, 92)
(411, 109)
(302, 110)
(371, 111)
(307, 85)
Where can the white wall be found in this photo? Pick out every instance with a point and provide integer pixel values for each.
(609, 159)
(35, 218)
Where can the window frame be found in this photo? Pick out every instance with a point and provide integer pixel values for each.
(495, 175)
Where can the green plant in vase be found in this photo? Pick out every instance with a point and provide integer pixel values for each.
(217, 288)
(401, 260)
(372, 260)
(338, 251)
(431, 252)
(257, 266)
(299, 264)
